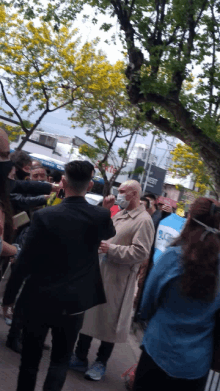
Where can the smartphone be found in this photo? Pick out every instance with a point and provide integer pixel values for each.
(61, 194)
(20, 219)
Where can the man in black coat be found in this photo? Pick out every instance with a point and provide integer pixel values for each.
(60, 262)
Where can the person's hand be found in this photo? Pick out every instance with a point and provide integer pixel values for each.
(108, 202)
(6, 309)
(167, 208)
(103, 248)
(56, 187)
(47, 196)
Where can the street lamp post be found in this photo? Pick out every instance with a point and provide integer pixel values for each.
(145, 165)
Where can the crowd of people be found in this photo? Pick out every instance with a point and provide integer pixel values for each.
(75, 269)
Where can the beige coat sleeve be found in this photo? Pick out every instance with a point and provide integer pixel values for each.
(138, 251)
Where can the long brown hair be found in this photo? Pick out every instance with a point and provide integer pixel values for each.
(201, 250)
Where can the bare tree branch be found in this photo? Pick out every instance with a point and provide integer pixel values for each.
(10, 120)
(172, 37)
(131, 9)
(212, 68)
(103, 126)
(13, 109)
(35, 65)
(201, 12)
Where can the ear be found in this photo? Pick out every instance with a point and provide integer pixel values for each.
(135, 193)
(27, 168)
(64, 182)
(91, 184)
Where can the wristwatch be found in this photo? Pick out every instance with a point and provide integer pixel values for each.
(18, 251)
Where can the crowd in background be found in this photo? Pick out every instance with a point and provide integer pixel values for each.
(53, 244)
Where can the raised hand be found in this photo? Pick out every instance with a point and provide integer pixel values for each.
(108, 201)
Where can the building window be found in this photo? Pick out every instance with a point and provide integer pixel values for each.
(48, 141)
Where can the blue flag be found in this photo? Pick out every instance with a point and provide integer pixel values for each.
(168, 229)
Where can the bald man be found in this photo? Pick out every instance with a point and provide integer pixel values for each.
(121, 258)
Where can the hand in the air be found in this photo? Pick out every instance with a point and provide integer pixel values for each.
(6, 309)
(108, 201)
(167, 208)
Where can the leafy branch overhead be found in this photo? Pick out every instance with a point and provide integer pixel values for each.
(45, 70)
(173, 70)
(186, 161)
(171, 45)
(109, 117)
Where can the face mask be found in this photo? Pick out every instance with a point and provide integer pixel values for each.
(122, 202)
(5, 168)
(21, 174)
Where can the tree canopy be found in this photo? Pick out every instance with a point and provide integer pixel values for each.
(45, 70)
(173, 67)
(173, 63)
(108, 116)
(186, 161)
(57, 11)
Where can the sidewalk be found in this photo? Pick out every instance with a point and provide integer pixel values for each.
(123, 357)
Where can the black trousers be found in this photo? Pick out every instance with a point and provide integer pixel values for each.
(83, 346)
(150, 377)
(17, 320)
(65, 329)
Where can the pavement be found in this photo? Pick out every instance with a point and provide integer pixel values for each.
(123, 357)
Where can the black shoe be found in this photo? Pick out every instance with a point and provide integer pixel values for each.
(14, 344)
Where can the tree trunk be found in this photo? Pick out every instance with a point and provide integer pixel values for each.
(23, 142)
(185, 128)
(107, 188)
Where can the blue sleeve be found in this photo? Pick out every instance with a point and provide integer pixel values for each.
(166, 269)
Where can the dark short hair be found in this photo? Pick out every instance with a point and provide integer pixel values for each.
(79, 174)
(151, 196)
(143, 198)
(56, 175)
(20, 159)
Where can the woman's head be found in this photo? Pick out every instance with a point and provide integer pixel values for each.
(205, 210)
(200, 240)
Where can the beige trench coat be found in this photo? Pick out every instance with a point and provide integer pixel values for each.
(130, 246)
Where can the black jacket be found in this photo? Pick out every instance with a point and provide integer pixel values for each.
(60, 256)
(20, 202)
(30, 187)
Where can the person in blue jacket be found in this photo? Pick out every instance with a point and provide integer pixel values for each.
(179, 302)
